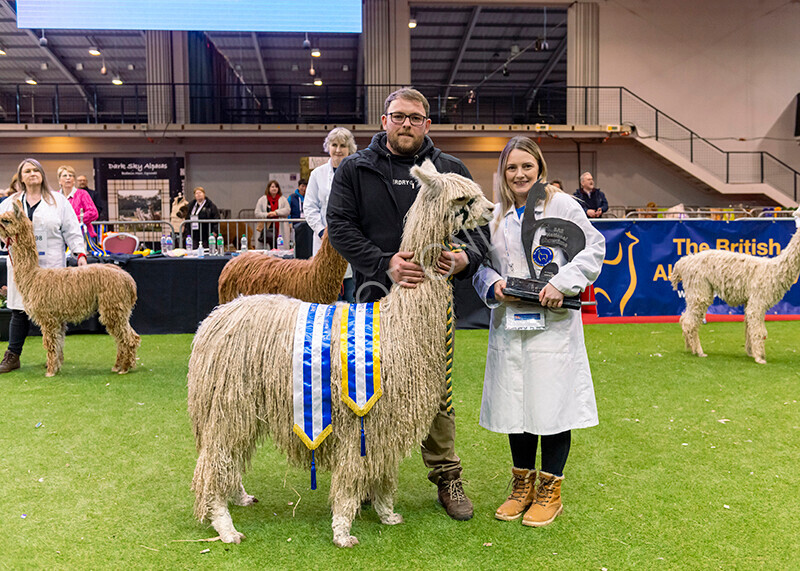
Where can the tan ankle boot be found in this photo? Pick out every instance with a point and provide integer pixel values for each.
(547, 503)
(9, 363)
(523, 490)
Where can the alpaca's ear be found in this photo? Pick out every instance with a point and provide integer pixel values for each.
(425, 173)
(18, 208)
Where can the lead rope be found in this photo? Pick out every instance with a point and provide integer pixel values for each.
(450, 340)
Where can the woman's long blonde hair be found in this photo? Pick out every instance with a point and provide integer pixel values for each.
(527, 145)
(46, 192)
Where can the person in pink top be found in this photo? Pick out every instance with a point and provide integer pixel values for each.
(78, 198)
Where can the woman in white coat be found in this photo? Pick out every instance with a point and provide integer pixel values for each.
(338, 144)
(537, 383)
(55, 227)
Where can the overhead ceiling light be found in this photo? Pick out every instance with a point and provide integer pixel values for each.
(43, 40)
(79, 66)
(315, 52)
(131, 67)
(117, 80)
(295, 67)
(514, 49)
(345, 67)
(412, 23)
(3, 51)
(311, 70)
(306, 43)
(318, 81)
(103, 69)
(94, 50)
(30, 80)
(43, 66)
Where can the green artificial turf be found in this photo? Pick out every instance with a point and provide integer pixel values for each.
(693, 466)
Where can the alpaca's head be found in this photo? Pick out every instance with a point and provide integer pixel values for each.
(446, 204)
(14, 222)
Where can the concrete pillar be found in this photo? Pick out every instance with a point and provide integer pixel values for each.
(583, 62)
(387, 51)
(166, 65)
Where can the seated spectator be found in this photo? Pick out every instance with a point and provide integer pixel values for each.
(303, 235)
(272, 205)
(201, 208)
(78, 198)
(557, 183)
(592, 199)
(12, 188)
(102, 209)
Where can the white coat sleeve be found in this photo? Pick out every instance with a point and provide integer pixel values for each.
(312, 203)
(483, 280)
(575, 276)
(262, 207)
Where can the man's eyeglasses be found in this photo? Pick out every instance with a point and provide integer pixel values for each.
(400, 118)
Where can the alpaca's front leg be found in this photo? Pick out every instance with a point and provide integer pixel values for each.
(223, 523)
(344, 507)
(690, 324)
(756, 333)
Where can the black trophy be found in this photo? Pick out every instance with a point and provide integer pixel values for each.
(556, 233)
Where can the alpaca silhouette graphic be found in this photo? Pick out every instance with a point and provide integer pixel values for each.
(631, 269)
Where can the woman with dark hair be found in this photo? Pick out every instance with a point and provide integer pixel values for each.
(272, 205)
(201, 208)
(55, 227)
(537, 384)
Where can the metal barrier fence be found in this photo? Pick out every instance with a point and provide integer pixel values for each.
(148, 232)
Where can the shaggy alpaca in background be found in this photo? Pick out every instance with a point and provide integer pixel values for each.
(316, 280)
(240, 377)
(737, 279)
(57, 296)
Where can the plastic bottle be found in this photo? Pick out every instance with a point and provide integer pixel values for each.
(212, 245)
(200, 252)
(244, 243)
(163, 243)
(168, 242)
(189, 249)
(220, 246)
(280, 242)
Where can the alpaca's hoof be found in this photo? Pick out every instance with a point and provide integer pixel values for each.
(49, 374)
(701, 354)
(246, 500)
(345, 541)
(114, 369)
(231, 537)
(122, 372)
(393, 519)
(761, 361)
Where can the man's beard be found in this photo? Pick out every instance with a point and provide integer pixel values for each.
(405, 145)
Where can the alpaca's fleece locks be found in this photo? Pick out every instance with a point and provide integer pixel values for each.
(54, 297)
(240, 377)
(737, 279)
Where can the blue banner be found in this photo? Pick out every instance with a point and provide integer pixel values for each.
(640, 255)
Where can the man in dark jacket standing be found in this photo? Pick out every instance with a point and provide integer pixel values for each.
(592, 199)
(371, 193)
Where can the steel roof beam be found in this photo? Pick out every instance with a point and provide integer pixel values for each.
(260, 60)
(473, 20)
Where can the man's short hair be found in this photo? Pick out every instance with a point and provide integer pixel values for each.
(583, 176)
(302, 182)
(409, 94)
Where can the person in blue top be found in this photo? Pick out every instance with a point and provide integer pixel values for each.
(296, 201)
(303, 235)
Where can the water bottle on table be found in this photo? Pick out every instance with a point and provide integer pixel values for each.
(212, 245)
(220, 246)
(200, 253)
(163, 243)
(189, 249)
(244, 243)
(168, 243)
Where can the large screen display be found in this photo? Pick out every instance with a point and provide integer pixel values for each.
(202, 15)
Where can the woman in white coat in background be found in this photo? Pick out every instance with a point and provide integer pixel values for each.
(55, 226)
(338, 144)
(537, 384)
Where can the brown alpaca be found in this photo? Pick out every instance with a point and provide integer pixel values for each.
(317, 280)
(54, 297)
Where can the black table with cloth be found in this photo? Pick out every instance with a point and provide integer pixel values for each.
(176, 294)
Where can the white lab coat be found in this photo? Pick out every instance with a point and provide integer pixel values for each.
(54, 225)
(538, 381)
(315, 205)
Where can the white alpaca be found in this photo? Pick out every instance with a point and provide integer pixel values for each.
(240, 377)
(737, 279)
